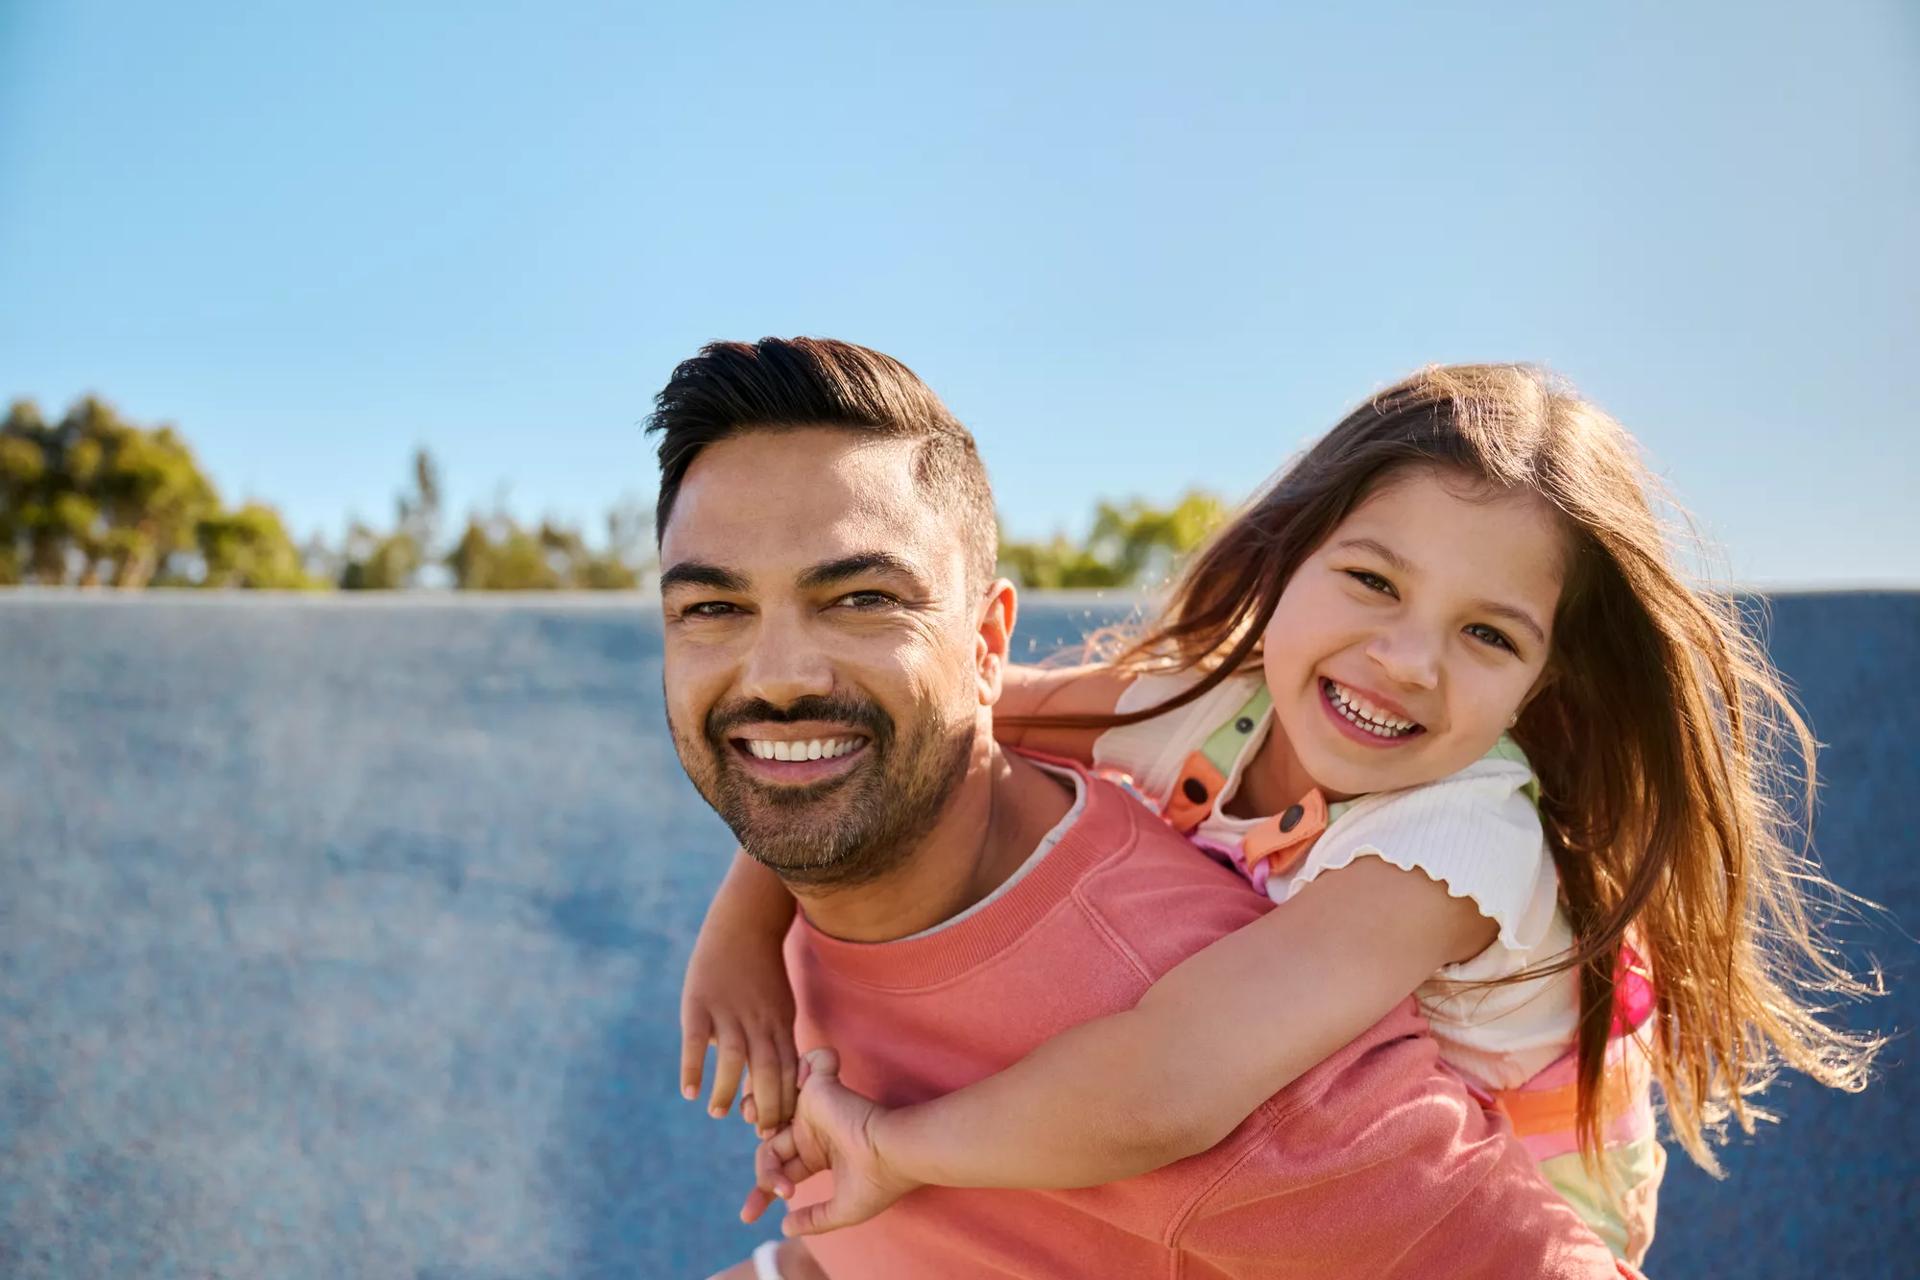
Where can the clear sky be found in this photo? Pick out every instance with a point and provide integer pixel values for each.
(1136, 247)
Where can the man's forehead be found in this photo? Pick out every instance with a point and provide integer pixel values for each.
(799, 496)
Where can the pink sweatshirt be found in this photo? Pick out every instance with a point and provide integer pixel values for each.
(1376, 1163)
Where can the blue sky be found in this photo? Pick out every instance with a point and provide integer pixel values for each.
(1137, 248)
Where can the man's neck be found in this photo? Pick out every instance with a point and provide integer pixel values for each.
(995, 818)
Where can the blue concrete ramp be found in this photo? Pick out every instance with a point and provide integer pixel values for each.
(343, 938)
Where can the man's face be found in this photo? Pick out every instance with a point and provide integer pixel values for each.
(824, 671)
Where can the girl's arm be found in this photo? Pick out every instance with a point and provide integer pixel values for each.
(1054, 691)
(1134, 1091)
(736, 997)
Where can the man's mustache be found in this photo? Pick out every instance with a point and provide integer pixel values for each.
(834, 710)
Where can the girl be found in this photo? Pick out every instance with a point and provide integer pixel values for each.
(1439, 692)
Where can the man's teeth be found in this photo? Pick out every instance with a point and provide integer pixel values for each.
(814, 749)
(1369, 717)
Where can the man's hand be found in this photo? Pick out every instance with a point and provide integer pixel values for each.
(831, 1129)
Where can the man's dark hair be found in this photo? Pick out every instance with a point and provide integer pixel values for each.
(778, 384)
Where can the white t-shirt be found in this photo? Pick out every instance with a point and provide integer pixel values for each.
(1477, 832)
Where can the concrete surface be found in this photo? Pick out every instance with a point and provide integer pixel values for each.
(343, 939)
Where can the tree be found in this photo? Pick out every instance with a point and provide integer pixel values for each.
(250, 548)
(497, 553)
(376, 561)
(1131, 544)
(94, 499)
(23, 467)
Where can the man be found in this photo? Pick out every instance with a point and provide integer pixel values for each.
(827, 550)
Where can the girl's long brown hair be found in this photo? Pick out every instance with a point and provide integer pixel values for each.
(1664, 742)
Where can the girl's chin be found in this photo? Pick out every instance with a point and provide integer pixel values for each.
(1344, 784)
(1340, 776)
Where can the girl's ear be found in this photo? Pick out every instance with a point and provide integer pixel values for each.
(993, 639)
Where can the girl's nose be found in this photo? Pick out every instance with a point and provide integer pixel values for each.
(1408, 658)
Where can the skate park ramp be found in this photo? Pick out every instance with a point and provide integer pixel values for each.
(344, 937)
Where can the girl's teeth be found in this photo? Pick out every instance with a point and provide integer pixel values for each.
(1359, 712)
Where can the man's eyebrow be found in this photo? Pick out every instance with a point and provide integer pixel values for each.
(829, 572)
(695, 573)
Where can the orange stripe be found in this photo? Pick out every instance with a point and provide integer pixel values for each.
(1540, 1112)
(1537, 1112)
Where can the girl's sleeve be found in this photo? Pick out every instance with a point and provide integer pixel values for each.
(1476, 832)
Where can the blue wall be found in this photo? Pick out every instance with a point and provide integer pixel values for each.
(344, 938)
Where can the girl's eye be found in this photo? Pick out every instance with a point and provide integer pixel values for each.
(1487, 635)
(1371, 581)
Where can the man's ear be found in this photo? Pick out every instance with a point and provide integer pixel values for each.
(993, 639)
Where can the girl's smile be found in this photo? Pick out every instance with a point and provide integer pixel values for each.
(1367, 718)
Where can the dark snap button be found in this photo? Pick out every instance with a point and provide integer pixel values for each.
(1244, 724)
(1291, 818)
(1196, 790)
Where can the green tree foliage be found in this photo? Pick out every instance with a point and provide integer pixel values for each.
(493, 552)
(95, 500)
(377, 560)
(498, 554)
(250, 548)
(1131, 544)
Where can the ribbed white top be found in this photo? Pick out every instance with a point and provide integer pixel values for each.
(1476, 832)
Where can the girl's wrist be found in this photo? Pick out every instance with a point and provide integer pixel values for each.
(889, 1139)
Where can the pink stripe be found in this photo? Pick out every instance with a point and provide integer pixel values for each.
(1625, 1056)
(1629, 1127)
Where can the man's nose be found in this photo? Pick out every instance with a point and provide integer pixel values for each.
(785, 665)
(1408, 655)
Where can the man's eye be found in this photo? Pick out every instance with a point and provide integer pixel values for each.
(1371, 581)
(709, 609)
(1487, 635)
(867, 600)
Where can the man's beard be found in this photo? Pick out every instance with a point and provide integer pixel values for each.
(846, 830)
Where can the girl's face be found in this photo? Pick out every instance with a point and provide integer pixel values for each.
(1407, 640)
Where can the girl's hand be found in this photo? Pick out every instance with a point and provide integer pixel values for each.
(832, 1129)
(736, 998)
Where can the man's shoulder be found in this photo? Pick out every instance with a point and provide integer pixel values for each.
(1151, 890)
(1121, 828)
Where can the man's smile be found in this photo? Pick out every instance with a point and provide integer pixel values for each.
(798, 755)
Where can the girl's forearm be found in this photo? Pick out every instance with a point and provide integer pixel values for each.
(751, 899)
(1134, 1091)
(1047, 1121)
